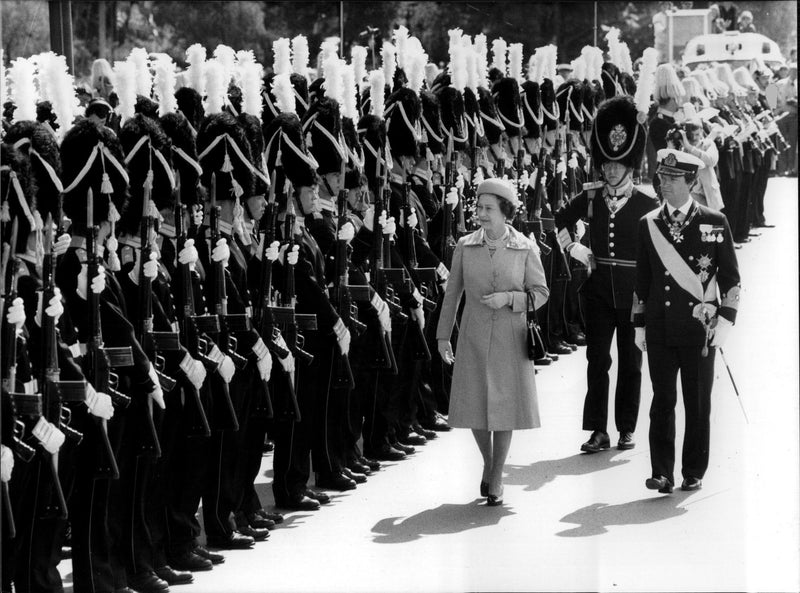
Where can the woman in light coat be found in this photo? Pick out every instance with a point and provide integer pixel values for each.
(493, 390)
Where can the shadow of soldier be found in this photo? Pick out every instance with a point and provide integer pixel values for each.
(596, 518)
(537, 474)
(444, 519)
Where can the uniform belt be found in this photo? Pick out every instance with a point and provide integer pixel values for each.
(548, 224)
(610, 261)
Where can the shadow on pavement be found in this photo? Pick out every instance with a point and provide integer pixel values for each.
(444, 519)
(596, 518)
(537, 474)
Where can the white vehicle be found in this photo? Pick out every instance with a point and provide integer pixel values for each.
(734, 48)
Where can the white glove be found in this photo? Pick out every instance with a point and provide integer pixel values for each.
(98, 282)
(638, 339)
(55, 308)
(188, 255)
(6, 463)
(460, 181)
(226, 368)
(156, 394)
(99, 403)
(721, 331)
(112, 245)
(272, 251)
(369, 217)
(389, 227)
(151, 266)
(62, 244)
(49, 435)
(412, 221)
(561, 168)
(573, 162)
(291, 258)
(524, 179)
(527, 160)
(580, 230)
(194, 371)
(580, 252)
(342, 336)
(288, 362)
(383, 312)
(263, 359)
(347, 232)
(16, 314)
(419, 316)
(221, 252)
(452, 197)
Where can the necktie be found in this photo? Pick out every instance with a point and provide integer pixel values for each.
(678, 216)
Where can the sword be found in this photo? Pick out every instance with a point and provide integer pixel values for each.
(735, 389)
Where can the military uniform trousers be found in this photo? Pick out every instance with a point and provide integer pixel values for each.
(602, 321)
(697, 378)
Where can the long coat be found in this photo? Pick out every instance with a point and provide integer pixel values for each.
(493, 381)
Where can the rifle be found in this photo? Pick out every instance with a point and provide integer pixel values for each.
(99, 359)
(558, 202)
(448, 240)
(28, 405)
(185, 314)
(227, 343)
(10, 346)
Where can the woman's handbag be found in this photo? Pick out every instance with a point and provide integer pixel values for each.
(534, 341)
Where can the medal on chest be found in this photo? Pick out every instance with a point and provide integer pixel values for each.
(704, 262)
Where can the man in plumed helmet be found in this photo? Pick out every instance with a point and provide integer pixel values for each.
(617, 145)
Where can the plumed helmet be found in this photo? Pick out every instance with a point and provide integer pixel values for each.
(16, 191)
(224, 150)
(531, 108)
(270, 110)
(403, 110)
(549, 106)
(190, 104)
(431, 120)
(472, 114)
(142, 138)
(300, 85)
(372, 131)
(492, 126)
(627, 83)
(506, 97)
(570, 99)
(184, 154)
(323, 125)
(38, 143)
(284, 135)
(610, 79)
(617, 134)
(453, 120)
(355, 160)
(146, 106)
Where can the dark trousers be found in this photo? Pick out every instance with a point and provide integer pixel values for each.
(602, 320)
(252, 435)
(697, 378)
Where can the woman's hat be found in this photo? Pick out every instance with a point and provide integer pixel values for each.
(500, 188)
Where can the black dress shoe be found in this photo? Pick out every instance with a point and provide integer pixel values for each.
(258, 534)
(387, 453)
(407, 449)
(334, 481)
(190, 561)
(359, 468)
(578, 339)
(320, 497)
(494, 500)
(235, 541)
(412, 439)
(690, 484)
(276, 518)
(259, 522)
(370, 463)
(559, 347)
(598, 441)
(147, 582)
(484, 488)
(660, 483)
(213, 557)
(268, 446)
(428, 434)
(357, 477)
(543, 361)
(173, 577)
(570, 344)
(124, 590)
(298, 503)
(626, 441)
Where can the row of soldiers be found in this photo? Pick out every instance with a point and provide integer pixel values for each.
(195, 269)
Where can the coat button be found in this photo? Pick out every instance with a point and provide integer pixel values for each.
(612, 216)
(691, 304)
(666, 288)
(691, 258)
(611, 225)
(611, 254)
(610, 234)
(667, 303)
(666, 273)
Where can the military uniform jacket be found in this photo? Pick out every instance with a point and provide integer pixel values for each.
(705, 251)
(612, 240)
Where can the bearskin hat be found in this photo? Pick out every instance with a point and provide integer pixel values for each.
(531, 108)
(222, 156)
(627, 83)
(177, 128)
(402, 128)
(492, 126)
(453, 120)
(140, 163)
(570, 97)
(324, 125)
(617, 134)
(190, 104)
(506, 97)
(372, 131)
(285, 133)
(270, 110)
(431, 120)
(354, 175)
(610, 79)
(146, 106)
(315, 90)
(33, 139)
(549, 106)
(472, 114)
(300, 85)
(44, 114)
(13, 161)
(80, 144)
(441, 81)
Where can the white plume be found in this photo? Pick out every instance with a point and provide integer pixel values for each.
(300, 55)
(3, 85)
(550, 62)
(431, 72)
(646, 82)
(515, 62)
(283, 58)
(349, 105)
(358, 58)
(499, 49)
(612, 37)
(328, 48)
(415, 69)
(377, 82)
(593, 56)
(144, 80)
(535, 65)
(458, 68)
(578, 68)
(251, 82)
(196, 72)
(625, 62)
(125, 87)
(471, 59)
(389, 61)
(400, 36)
(481, 59)
(60, 89)
(244, 56)
(283, 91)
(22, 90)
(331, 71)
(216, 87)
(225, 55)
(164, 84)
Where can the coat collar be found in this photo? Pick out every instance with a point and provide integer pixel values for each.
(516, 240)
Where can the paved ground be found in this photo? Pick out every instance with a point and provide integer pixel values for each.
(571, 521)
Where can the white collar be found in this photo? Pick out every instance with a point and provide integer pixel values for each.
(684, 208)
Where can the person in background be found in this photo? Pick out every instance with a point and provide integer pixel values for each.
(691, 138)
(728, 12)
(746, 22)
(787, 107)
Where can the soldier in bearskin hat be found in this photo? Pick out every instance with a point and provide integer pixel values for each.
(617, 145)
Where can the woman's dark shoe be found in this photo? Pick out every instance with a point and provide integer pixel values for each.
(495, 500)
(484, 488)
